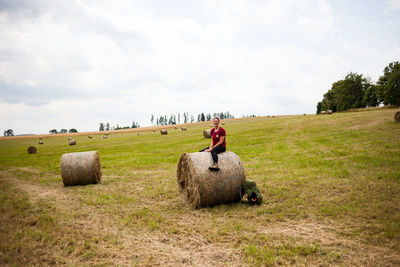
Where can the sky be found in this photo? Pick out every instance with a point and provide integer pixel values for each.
(76, 63)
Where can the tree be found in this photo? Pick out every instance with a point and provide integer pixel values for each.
(203, 117)
(136, 125)
(388, 90)
(107, 126)
(152, 119)
(73, 130)
(54, 131)
(101, 127)
(9, 132)
(346, 94)
(179, 117)
(319, 107)
(63, 131)
(371, 96)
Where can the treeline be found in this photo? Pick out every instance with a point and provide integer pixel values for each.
(185, 117)
(107, 127)
(356, 91)
(72, 130)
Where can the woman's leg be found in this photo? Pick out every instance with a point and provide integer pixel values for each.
(204, 149)
(215, 151)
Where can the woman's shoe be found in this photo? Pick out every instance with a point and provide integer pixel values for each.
(214, 167)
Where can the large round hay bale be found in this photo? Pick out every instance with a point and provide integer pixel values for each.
(163, 131)
(329, 112)
(72, 142)
(397, 116)
(200, 187)
(40, 142)
(80, 168)
(32, 150)
(207, 133)
(184, 128)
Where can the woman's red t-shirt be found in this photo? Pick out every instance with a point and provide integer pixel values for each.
(216, 135)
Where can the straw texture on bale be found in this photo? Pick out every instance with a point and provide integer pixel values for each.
(207, 133)
(184, 128)
(200, 187)
(32, 150)
(72, 142)
(163, 131)
(397, 116)
(80, 168)
(40, 142)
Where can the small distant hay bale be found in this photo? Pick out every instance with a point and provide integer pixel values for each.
(223, 123)
(163, 131)
(80, 168)
(184, 129)
(106, 133)
(90, 137)
(273, 116)
(32, 150)
(304, 114)
(323, 112)
(105, 137)
(40, 142)
(40, 138)
(138, 134)
(72, 142)
(397, 116)
(69, 138)
(207, 133)
(154, 131)
(329, 112)
(200, 187)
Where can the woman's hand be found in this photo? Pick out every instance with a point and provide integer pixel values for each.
(209, 150)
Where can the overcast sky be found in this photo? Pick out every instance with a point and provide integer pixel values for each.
(73, 64)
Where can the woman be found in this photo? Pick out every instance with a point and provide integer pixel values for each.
(218, 144)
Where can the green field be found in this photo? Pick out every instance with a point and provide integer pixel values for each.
(331, 189)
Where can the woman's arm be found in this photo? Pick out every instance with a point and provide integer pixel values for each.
(221, 140)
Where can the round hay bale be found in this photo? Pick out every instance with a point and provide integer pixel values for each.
(397, 116)
(80, 168)
(223, 123)
(138, 134)
(90, 137)
(105, 137)
(69, 138)
(207, 133)
(32, 150)
(329, 112)
(323, 112)
(107, 133)
(40, 142)
(72, 142)
(40, 138)
(154, 131)
(184, 128)
(163, 131)
(200, 187)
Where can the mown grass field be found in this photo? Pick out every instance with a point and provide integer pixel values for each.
(331, 188)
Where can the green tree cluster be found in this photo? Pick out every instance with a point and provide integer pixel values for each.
(9, 132)
(170, 120)
(356, 91)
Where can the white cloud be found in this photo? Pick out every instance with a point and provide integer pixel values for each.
(393, 4)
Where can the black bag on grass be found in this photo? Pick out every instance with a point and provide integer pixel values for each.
(249, 188)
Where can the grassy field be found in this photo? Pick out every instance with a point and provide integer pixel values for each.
(331, 189)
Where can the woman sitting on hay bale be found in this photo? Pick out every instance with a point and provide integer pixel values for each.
(218, 144)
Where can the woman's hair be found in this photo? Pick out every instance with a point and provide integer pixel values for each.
(216, 117)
